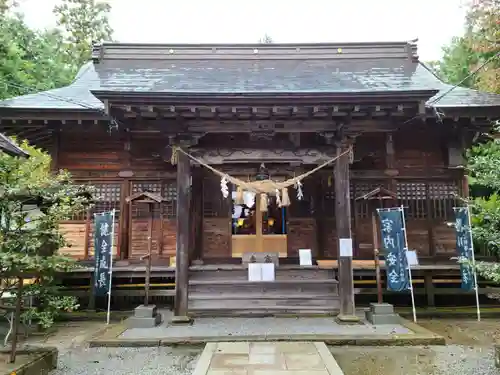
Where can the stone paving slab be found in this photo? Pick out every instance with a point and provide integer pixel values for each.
(321, 329)
(268, 358)
(228, 327)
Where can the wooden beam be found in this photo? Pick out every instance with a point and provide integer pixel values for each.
(390, 160)
(183, 234)
(343, 224)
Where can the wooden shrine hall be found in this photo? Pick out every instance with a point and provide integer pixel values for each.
(275, 110)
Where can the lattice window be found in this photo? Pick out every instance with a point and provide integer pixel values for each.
(362, 208)
(443, 197)
(107, 197)
(169, 207)
(327, 204)
(413, 196)
(167, 189)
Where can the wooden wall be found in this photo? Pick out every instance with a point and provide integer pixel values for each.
(418, 174)
(417, 170)
(96, 157)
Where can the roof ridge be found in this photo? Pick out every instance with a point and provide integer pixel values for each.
(254, 51)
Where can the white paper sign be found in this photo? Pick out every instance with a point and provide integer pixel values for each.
(254, 272)
(305, 257)
(267, 272)
(411, 257)
(345, 246)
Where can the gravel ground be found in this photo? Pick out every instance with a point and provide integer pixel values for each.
(75, 358)
(429, 360)
(127, 361)
(469, 352)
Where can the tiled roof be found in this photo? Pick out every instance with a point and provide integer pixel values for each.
(76, 96)
(266, 76)
(9, 147)
(145, 69)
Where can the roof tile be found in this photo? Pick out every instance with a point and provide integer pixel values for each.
(249, 75)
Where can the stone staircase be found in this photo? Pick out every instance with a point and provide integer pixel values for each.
(226, 291)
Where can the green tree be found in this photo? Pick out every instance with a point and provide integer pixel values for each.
(483, 23)
(30, 60)
(266, 39)
(457, 62)
(6, 6)
(83, 23)
(479, 43)
(33, 201)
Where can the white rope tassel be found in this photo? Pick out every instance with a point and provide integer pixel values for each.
(223, 187)
(300, 193)
(278, 198)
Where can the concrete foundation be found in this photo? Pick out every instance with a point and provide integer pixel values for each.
(144, 317)
(382, 313)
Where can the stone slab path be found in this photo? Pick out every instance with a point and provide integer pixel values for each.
(267, 358)
(225, 328)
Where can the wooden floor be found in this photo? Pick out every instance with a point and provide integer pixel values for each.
(223, 284)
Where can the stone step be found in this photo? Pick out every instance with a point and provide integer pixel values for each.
(249, 312)
(278, 305)
(261, 295)
(280, 274)
(274, 304)
(281, 286)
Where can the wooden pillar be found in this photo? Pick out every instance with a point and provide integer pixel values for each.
(183, 233)
(124, 221)
(259, 239)
(390, 163)
(56, 138)
(465, 186)
(343, 224)
(318, 213)
(429, 289)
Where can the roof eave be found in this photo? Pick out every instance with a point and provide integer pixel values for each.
(10, 148)
(52, 113)
(221, 98)
(488, 111)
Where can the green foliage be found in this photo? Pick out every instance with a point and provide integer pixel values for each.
(266, 39)
(83, 23)
(490, 271)
(30, 60)
(464, 63)
(486, 224)
(483, 162)
(458, 59)
(479, 43)
(32, 203)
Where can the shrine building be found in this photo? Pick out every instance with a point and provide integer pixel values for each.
(184, 122)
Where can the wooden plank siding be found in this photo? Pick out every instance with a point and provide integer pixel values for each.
(417, 170)
(96, 158)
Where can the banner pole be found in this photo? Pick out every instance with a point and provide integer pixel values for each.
(108, 314)
(409, 267)
(476, 287)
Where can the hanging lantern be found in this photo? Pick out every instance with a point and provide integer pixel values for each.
(263, 173)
